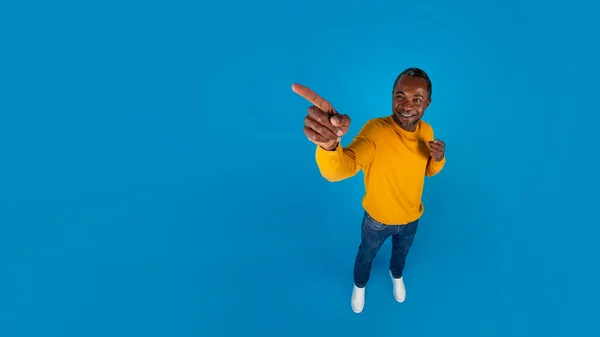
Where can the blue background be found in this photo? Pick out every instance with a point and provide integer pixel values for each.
(155, 179)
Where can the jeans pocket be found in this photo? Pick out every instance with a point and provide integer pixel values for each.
(374, 224)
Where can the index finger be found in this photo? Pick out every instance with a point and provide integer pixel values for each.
(312, 97)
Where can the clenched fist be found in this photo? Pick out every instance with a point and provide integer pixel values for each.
(323, 125)
(437, 149)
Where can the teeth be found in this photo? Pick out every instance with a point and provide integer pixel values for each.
(405, 115)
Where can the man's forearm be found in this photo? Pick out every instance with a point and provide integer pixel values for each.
(334, 164)
(434, 167)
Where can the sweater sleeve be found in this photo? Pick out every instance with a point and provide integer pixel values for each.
(434, 167)
(343, 163)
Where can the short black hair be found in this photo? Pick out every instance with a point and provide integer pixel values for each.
(416, 72)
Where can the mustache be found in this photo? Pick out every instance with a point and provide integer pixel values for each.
(416, 111)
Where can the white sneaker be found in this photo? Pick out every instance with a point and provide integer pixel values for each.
(358, 299)
(399, 289)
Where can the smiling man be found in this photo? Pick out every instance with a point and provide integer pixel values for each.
(396, 153)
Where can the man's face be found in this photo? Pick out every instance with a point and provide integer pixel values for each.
(409, 101)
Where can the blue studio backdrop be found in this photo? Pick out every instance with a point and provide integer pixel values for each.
(155, 179)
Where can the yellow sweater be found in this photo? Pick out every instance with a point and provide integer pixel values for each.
(394, 162)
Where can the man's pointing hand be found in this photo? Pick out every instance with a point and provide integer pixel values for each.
(323, 125)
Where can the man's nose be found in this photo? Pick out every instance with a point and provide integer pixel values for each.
(407, 105)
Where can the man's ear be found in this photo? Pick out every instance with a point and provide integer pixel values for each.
(428, 102)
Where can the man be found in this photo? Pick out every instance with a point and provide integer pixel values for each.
(396, 153)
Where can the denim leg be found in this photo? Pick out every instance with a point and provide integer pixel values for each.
(373, 235)
(401, 243)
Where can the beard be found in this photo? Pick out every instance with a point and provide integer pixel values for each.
(406, 125)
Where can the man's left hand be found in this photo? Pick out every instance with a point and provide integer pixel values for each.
(436, 149)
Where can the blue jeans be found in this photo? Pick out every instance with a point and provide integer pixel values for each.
(373, 235)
